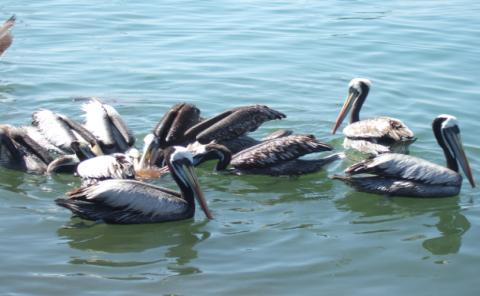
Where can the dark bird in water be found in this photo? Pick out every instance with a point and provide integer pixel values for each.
(272, 157)
(5, 35)
(18, 151)
(373, 136)
(403, 175)
(170, 131)
(182, 125)
(133, 202)
(106, 124)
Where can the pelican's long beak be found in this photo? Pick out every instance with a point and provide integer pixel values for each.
(96, 149)
(452, 135)
(344, 111)
(150, 153)
(192, 179)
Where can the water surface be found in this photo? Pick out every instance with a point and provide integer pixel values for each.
(279, 236)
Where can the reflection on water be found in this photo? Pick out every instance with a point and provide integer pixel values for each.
(451, 225)
(177, 240)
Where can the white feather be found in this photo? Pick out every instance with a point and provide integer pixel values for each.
(356, 83)
(115, 166)
(53, 128)
(450, 121)
(35, 134)
(181, 153)
(96, 121)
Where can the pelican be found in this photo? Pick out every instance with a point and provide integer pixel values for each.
(373, 136)
(105, 123)
(5, 35)
(132, 202)
(170, 131)
(61, 131)
(104, 167)
(182, 125)
(278, 156)
(402, 175)
(19, 151)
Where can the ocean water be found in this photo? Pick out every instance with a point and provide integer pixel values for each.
(279, 236)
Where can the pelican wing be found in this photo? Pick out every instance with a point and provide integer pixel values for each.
(5, 35)
(131, 201)
(20, 136)
(278, 150)
(120, 125)
(234, 123)
(405, 167)
(383, 128)
(54, 128)
(37, 136)
(173, 126)
(98, 122)
(115, 166)
(79, 131)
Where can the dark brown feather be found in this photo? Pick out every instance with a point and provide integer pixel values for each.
(278, 150)
(233, 123)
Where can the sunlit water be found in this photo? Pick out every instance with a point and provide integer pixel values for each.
(306, 235)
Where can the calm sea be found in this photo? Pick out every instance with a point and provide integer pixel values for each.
(277, 236)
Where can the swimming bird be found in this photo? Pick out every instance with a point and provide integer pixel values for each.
(106, 124)
(278, 156)
(403, 175)
(5, 35)
(18, 151)
(182, 125)
(129, 201)
(373, 136)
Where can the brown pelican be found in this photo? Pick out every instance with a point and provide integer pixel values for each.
(61, 131)
(402, 175)
(103, 121)
(19, 151)
(130, 201)
(278, 156)
(170, 131)
(376, 135)
(5, 35)
(182, 125)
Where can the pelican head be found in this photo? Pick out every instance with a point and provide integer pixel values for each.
(63, 164)
(358, 89)
(134, 155)
(447, 133)
(180, 162)
(202, 153)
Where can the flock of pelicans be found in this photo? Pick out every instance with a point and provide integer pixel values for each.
(115, 174)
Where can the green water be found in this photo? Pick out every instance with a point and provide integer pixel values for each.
(277, 236)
